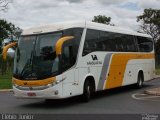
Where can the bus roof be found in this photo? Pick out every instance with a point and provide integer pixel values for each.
(81, 24)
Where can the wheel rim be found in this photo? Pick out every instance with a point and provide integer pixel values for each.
(140, 81)
(88, 91)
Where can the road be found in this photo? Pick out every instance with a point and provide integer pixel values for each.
(113, 101)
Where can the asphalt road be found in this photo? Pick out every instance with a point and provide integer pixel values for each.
(115, 101)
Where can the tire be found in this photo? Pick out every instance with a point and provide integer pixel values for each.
(87, 91)
(140, 80)
(48, 100)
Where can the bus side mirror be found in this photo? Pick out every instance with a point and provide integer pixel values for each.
(5, 49)
(60, 43)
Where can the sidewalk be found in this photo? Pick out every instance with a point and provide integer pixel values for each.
(6, 90)
(153, 91)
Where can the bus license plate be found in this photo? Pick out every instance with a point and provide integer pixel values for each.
(31, 94)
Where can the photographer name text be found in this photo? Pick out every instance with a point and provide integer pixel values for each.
(17, 117)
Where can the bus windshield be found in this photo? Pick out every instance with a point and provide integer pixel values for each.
(35, 57)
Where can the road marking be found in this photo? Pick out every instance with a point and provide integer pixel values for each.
(147, 98)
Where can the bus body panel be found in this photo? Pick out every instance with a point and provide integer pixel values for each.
(71, 83)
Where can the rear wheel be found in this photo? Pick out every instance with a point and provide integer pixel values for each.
(48, 100)
(87, 91)
(140, 80)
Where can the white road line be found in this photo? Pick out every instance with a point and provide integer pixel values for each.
(150, 97)
(144, 98)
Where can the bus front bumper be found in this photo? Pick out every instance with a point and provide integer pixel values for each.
(54, 92)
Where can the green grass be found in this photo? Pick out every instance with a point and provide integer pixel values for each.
(6, 80)
(158, 70)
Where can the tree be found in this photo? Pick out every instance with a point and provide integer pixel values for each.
(102, 19)
(4, 5)
(8, 29)
(150, 22)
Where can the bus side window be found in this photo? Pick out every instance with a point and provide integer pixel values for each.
(67, 57)
(77, 33)
(144, 44)
(90, 45)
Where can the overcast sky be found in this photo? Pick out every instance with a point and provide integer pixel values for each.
(29, 13)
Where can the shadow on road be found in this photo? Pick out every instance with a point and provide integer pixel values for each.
(119, 91)
(73, 101)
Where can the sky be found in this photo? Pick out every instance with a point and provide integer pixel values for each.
(30, 13)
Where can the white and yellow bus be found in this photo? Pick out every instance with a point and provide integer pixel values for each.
(78, 58)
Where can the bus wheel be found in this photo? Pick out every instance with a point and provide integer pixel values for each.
(48, 100)
(140, 80)
(87, 91)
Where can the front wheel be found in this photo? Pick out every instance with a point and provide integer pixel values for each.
(87, 90)
(140, 80)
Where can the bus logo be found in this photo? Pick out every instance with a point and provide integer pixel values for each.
(95, 61)
(94, 57)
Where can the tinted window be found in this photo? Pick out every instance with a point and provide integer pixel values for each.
(90, 45)
(67, 60)
(70, 48)
(129, 44)
(77, 33)
(119, 42)
(144, 44)
(108, 41)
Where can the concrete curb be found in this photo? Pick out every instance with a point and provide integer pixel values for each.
(6, 90)
(153, 91)
(157, 76)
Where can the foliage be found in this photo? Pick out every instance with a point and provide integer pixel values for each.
(8, 30)
(6, 80)
(157, 72)
(5, 65)
(150, 24)
(4, 5)
(102, 19)
(150, 20)
(6, 68)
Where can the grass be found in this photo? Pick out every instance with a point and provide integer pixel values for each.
(6, 80)
(158, 70)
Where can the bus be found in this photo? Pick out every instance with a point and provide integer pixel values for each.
(79, 58)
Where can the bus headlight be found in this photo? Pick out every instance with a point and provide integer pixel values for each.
(50, 85)
(55, 83)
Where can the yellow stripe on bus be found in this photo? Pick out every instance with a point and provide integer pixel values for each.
(118, 66)
(33, 82)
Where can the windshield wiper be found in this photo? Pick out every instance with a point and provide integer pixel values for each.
(28, 64)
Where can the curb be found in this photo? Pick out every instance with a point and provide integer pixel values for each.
(153, 91)
(6, 90)
(157, 76)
